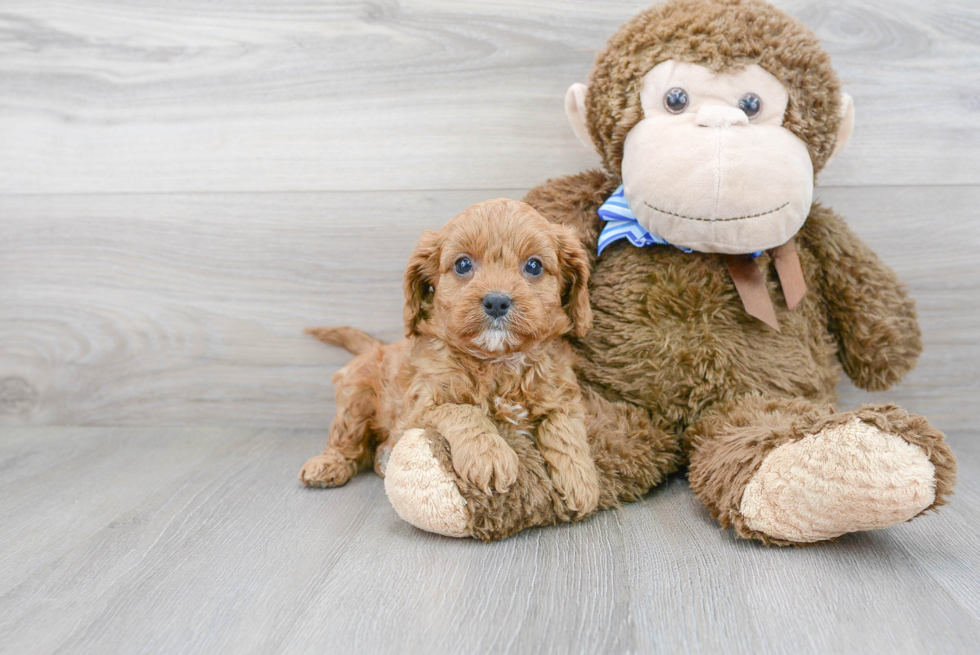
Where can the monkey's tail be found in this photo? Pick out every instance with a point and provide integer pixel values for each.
(354, 341)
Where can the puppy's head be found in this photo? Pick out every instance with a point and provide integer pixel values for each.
(497, 279)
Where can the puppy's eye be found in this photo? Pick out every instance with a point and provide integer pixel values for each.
(676, 100)
(463, 266)
(751, 104)
(533, 267)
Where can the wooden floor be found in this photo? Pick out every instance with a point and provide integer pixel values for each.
(197, 540)
(185, 186)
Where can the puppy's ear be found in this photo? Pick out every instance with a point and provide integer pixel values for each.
(575, 269)
(420, 277)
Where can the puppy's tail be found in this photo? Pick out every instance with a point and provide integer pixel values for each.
(354, 341)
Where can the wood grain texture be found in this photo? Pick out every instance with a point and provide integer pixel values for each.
(189, 310)
(119, 96)
(201, 541)
(185, 186)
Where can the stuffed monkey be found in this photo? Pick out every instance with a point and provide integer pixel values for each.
(726, 301)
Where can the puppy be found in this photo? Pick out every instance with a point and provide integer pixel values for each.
(487, 299)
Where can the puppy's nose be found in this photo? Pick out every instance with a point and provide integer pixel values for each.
(496, 304)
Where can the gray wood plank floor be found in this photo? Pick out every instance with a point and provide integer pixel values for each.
(199, 540)
(184, 186)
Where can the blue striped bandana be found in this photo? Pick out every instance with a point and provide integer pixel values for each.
(621, 223)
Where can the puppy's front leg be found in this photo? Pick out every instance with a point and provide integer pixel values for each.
(480, 455)
(563, 444)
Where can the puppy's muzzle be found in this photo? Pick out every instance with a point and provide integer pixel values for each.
(496, 305)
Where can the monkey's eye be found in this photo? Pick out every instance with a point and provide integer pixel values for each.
(533, 267)
(463, 266)
(676, 100)
(751, 104)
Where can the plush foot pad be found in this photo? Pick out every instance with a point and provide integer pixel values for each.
(331, 469)
(846, 478)
(420, 490)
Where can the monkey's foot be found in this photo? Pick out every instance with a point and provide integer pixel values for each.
(421, 490)
(426, 490)
(849, 476)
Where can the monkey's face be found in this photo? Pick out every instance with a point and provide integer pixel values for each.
(710, 167)
(718, 157)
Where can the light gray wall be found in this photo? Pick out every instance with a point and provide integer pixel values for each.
(184, 186)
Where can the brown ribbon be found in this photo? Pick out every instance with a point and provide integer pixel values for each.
(751, 283)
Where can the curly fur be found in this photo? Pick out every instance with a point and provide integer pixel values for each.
(720, 35)
(632, 454)
(449, 377)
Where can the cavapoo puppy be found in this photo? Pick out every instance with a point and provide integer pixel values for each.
(488, 298)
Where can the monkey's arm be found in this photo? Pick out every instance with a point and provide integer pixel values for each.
(870, 312)
(573, 201)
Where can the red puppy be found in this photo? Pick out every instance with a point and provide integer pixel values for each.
(487, 299)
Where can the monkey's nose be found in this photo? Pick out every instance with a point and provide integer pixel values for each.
(720, 116)
(496, 305)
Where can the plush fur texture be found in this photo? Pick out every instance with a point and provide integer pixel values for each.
(674, 370)
(631, 455)
(808, 490)
(448, 376)
(721, 35)
(432, 503)
(729, 446)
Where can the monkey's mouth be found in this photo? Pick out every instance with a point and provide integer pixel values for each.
(717, 220)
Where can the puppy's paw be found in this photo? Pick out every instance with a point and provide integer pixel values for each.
(486, 459)
(579, 487)
(331, 469)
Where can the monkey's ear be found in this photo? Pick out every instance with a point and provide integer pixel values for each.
(846, 128)
(575, 110)
(575, 270)
(420, 277)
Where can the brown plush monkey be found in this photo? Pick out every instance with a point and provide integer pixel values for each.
(725, 301)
